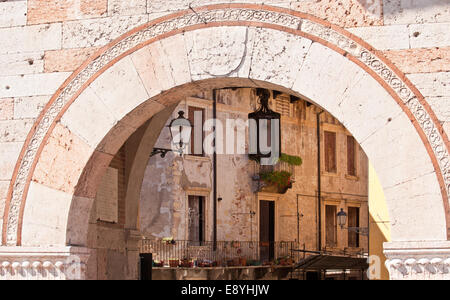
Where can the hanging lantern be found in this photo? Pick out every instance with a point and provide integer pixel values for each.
(180, 131)
(264, 131)
(342, 218)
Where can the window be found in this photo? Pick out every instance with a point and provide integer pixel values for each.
(196, 219)
(330, 152)
(353, 221)
(351, 156)
(283, 105)
(330, 226)
(196, 116)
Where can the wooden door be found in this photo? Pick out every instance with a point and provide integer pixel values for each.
(267, 230)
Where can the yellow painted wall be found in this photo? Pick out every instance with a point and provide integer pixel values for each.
(379, 222)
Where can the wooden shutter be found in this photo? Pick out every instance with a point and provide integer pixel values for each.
(330, 226)
(351, 157)
(330, 152)
(353, 221)
(196, 133)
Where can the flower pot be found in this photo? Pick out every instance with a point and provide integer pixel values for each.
(173, 263)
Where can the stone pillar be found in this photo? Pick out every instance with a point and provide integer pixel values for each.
(43, 263)
(133, 246)
(418, 260)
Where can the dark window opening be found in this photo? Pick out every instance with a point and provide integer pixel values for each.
(330, 152)
(330, 226)
(353, 221)
(196, 116)
(351, 157)
(196, 215)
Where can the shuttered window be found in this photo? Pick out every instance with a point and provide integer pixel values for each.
(283, 105)
(330, 152)
(196, 216)
(353, 221)
(330, 226)
(196, 116)
(351, 156)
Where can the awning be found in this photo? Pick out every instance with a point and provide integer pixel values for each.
(331, 262)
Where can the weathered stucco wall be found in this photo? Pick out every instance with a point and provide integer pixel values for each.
(169, 180)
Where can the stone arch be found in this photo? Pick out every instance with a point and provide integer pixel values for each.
(310, 58)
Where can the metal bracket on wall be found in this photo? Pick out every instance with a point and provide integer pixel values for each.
(160, 151)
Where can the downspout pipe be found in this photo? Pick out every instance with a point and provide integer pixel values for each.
(215, 172)
(319, 186)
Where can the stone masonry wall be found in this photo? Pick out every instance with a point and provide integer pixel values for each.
(43, 41)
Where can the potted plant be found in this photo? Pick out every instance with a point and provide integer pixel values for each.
(186, 263)
(173, 263)
(278, 181)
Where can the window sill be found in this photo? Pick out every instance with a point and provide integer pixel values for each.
(352, 177)
(324, 173)
(197, 158)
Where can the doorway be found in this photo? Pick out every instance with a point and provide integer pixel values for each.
(267, 230)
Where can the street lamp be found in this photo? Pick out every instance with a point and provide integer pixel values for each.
(180, 133)
(342, 220)
(264, 129)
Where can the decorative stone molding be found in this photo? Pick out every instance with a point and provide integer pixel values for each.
(219, 15)
(418, 261)
(23, 263)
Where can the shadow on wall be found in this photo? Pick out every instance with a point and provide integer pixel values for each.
(377, 238)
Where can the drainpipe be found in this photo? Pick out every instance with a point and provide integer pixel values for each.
(319, 187)
(214, 172)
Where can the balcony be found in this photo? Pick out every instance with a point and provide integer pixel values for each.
(189, 254)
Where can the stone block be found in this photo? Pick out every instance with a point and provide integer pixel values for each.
(406, 203)
(345, 13)
(432, 84)
(9, 153)
(320, 82)
(429, 35)
(6, 109)
(62, 160)
(424, 60)
(220, 52)
(441, 107)
(92, 175)
(174, 55)
(115, 138)
(30, 38)
(78, 223)
(13, 13)
(31, 85)
(50, 11)
(120, 88)
(278, 63)
(98, 32)
(17, 64)
(126, 8)
(86, 108)
(29, 107)
(15, 130)
(415, 11)
(384, 37)
(66, 60)
(45, 216)
(143, 62)
(4, 186)
(406, 157)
